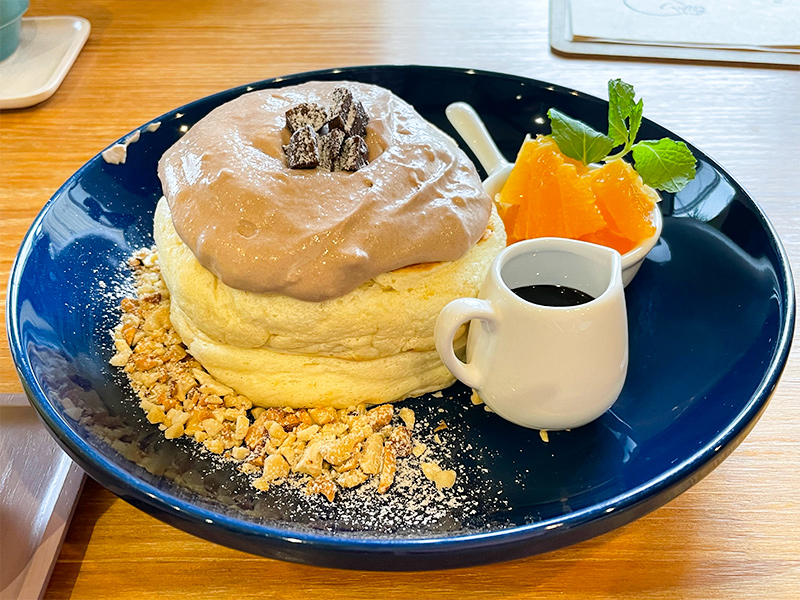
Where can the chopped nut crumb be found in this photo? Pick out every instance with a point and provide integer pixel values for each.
(380, 416)
(322, 485)
(372, 454)
(332, 449)
(240, 453)
(400, 440)
(352, 478)
(275, 467)
(442, 479)
(408, 417)
(388, 468)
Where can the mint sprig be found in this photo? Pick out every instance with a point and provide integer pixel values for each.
(663, 164)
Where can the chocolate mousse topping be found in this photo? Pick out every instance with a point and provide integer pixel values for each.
(316, 234)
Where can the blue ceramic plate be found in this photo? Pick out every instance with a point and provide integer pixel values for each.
(711, 316)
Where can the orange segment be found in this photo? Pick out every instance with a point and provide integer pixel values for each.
(519, 180)
(605, 237)
(579, 213)
(548, 194)
(519, 228)
(543, 218)
(553, 199)
(623, 200)
(546, 144)
(535, 162)
(507, 212)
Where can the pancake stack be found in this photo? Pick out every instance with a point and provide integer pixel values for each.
(317, 328)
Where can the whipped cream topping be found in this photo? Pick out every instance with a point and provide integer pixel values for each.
(314, 234)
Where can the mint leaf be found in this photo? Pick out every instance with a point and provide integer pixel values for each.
(665, 165)
(577, 140)
(620, 106)
(636, 120)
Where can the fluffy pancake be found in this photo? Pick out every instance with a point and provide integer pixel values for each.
(312, 287)
(391, 313)
(279, 379)
(374, 344)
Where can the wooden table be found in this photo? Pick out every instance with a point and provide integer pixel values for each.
(734, 535)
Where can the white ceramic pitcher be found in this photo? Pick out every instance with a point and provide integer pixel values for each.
(543, 366)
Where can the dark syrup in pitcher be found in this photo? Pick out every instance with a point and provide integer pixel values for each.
(552, 295)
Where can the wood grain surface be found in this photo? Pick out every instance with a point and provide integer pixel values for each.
(736, 534)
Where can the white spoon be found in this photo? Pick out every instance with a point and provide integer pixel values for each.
(471, 128)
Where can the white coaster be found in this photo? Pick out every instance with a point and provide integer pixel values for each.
(48, 47)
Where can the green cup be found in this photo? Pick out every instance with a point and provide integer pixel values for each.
(11, 12)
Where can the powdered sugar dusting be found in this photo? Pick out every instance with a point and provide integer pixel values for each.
(414, 505)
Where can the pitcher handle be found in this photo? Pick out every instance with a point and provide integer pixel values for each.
(453, 316)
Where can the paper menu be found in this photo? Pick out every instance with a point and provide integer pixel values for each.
(766, 25)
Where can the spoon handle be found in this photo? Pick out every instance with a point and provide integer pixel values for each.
(470, 127)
